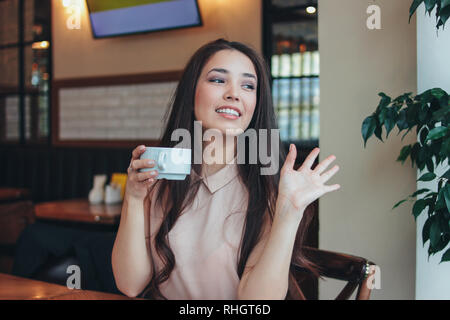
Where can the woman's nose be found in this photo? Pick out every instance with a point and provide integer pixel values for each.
(232, 93)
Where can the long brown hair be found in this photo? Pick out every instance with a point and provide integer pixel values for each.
(262, 189)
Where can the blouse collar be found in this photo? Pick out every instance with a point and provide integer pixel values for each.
(220, 178)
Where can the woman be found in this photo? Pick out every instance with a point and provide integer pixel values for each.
(226, 231)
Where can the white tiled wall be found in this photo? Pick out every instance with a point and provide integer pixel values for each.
(120, 112)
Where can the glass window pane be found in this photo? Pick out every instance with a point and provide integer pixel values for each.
(28, 118)
(9, 21)
(41, 22)
(29, 20)
(37, 67)
(9, 108)
(9, 118)
(36, 123)
(43, 123)
(9, 69)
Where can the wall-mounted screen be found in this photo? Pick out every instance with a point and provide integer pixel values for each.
(121, 17)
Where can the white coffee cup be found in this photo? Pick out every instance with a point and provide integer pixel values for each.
(171, 163)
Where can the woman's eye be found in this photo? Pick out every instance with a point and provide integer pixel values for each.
(216, 80)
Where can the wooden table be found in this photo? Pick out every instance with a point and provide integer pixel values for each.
(79, 210)
(13, 194)
(17, 288)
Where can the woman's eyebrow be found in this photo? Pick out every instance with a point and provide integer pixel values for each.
(225, 71)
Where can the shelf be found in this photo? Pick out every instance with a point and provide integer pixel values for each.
(295, 77)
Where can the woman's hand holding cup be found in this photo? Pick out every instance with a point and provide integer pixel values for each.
(139, 183)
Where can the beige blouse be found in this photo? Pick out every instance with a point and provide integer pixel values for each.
(205, 239)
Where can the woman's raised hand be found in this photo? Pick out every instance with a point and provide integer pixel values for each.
(138, 183)
(299, 188)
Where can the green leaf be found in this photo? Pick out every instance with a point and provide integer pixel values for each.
(437, 93)
(445, 3)
(423, 135)
(432, 202)
(399, 203)
(446, 175)
(422, 156)
(414, 152)
(423, 114)
(445, 148)
(435, 233)
(435, 146)
(429, 164)
(413, 7)
(401, 120)
(426, 230)
(441, 113)
(418, 207)
(404, 153)
(440, 202)
(407, 131)
(446, 256)
(445, 228)
(440, 183)
(384, 102)
(447, 196)
(444, 14)
(368, 127)
(411, 114)
(390, 119)
(436, 133)
(429, 5)
(420, 191)
(442, 243)
(382, 115)
(427, 177)
(404, 97)
(378, 131)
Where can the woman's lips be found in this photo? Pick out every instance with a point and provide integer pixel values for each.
(228, 116)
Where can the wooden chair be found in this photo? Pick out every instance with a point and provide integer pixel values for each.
(355, 270)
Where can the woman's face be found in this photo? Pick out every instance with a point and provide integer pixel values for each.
(227, 81)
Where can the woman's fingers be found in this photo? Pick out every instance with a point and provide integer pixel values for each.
(309, 161)
(143, 176)
(332, 187)
(135, 155)
(290, 159)
(137, 152)
(142, 164)
(324, 164)
(327, 175)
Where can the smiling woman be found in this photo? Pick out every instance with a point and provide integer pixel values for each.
(227, 231)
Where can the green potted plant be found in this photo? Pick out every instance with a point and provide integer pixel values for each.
(429, 112)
